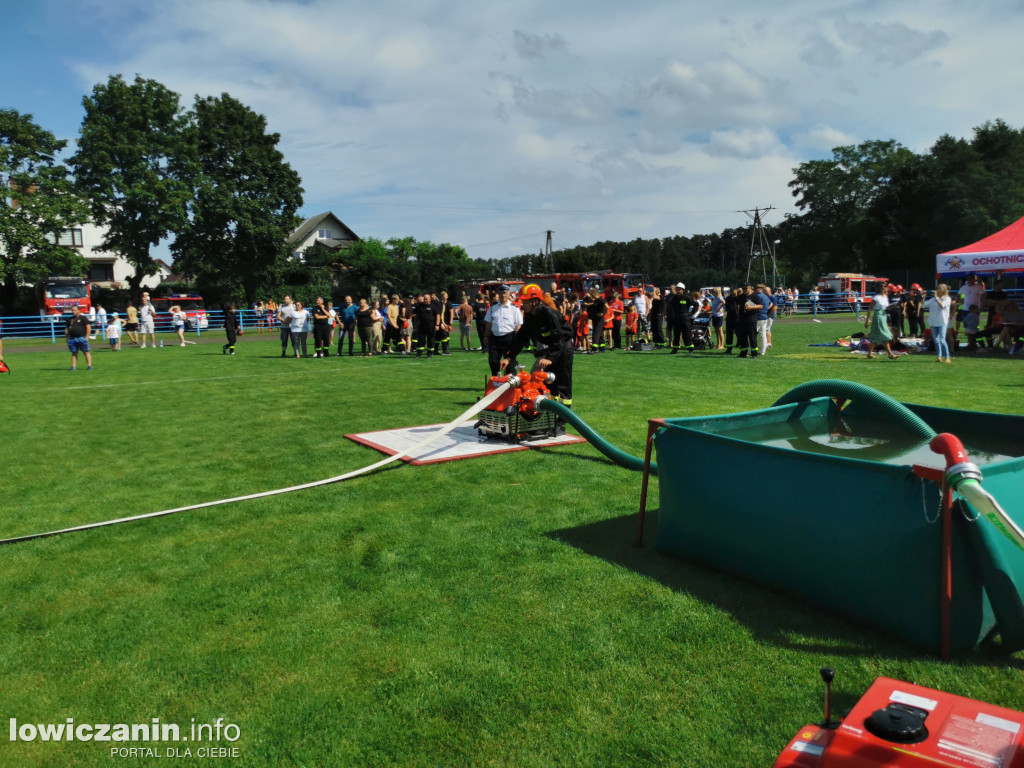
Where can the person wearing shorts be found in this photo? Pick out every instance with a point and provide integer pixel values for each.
(147, 321)
(76, 332)
(132, 324)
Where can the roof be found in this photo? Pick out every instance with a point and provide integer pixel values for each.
(315, 222)
(1003, 250)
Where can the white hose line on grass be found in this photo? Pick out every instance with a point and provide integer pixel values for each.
(476, 408)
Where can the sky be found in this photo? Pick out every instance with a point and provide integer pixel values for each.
(485, 124)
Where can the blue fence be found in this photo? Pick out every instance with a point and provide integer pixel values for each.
(52, 328)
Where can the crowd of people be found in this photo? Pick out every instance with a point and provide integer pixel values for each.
(737, 319)
(897, 313)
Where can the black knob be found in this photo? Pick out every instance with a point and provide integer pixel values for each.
(827, 674)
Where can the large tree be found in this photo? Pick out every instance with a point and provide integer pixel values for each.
(130, 134)
(36, 202)
(837, 194)
(245, 197)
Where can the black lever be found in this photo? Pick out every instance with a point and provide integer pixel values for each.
(827, 675)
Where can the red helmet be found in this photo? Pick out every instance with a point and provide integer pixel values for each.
(531, 291)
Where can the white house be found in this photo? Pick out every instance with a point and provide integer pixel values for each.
(324, 228)
(106, 269)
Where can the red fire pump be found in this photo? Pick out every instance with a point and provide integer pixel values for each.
(515, 415)
(900, 724)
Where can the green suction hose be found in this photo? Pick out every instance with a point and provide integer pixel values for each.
(620, 457)
(884, 406)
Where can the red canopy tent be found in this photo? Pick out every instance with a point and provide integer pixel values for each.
(1001, 252)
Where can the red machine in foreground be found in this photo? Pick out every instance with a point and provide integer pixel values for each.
(514, 416)
(900, 724)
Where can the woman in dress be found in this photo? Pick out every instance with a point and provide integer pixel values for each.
(877, 323)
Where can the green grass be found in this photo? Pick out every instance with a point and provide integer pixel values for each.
(483, 612)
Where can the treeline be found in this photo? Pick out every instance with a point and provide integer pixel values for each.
(875, 207)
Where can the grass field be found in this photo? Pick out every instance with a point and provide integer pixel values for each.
(483, 612)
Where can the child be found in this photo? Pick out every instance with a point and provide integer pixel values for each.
(583, 331)
(632, 318)
(114, 332)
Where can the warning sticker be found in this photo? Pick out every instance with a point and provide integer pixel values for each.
(914, 701)
(975, 743)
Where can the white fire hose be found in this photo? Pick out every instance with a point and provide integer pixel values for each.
(476, 408)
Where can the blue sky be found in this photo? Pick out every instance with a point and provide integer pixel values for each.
(485, 124)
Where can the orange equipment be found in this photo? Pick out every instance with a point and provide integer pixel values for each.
(515, 416)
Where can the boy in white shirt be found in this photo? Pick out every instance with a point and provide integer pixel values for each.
(114, 332)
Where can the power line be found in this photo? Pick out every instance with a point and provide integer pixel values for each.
(545, 211)
(506, 240)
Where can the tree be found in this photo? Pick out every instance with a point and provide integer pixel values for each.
(36, 202)
(837, 194)
(244, 197)
(129, 135)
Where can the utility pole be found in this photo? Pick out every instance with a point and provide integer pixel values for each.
(760, 245)
(547, 252)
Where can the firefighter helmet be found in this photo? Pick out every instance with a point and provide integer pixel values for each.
(531, 291)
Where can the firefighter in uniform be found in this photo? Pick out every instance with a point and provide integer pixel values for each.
(546, 326)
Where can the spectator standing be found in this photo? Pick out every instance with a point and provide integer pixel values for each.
(298, 328)
(480, 307)
(971, 292)
(147, 321)
(618, 310)
(632, 321)
(426, 322)
(657, 317)
(915, 311)
(749, 309)
(101, 319)
(114, 332)
(321, 329)
(377, 329)
(334, 322)
(92, 321)
(76, 333)
(258, 311)
(178, 322)
(938, 320)
(348, 325)
(284, 317)
(393, 335)
(132, 323)
(733, 313)
(641, 304)
(465, 315)
(718, 316)
(503, 320)
(814, 295)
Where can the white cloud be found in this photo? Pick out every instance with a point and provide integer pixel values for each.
(482, 122)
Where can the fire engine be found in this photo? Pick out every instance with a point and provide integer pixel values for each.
(852, 286)
(191, 304)
(627, 284)
(57, 295)
(577, 282)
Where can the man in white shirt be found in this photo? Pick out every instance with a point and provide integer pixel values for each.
(501, 321)
(640, 304)
(970, 293)
(147, 321)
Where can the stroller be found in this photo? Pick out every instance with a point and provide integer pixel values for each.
(702, 333)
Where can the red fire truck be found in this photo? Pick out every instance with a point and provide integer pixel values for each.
(57, 295)
(627, 284)
(577, 282)
(191, 304)
(843, 290)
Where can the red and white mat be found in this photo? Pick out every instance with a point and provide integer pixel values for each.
(463, 442)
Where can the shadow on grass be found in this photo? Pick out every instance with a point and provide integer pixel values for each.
(772, 617)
